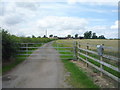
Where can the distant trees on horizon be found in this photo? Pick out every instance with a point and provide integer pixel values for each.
(90, 35)
(87, 35)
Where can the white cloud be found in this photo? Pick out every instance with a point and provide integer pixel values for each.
(31, 19)
(99, 30)
(13, 14)
(92, 2)
(62, 24)
(13, 19)
(72, 1)
(107, 31)
(115, 26)
(28, 5)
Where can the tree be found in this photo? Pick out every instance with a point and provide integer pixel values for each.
(69, 36)
(94, 36)
(33, 36)
(76, 36)
(51, 35)
(44, 36)
(55, 36)
(39, 36)
(9, 46)
(88, 34)
(101, 37)
(28, 37)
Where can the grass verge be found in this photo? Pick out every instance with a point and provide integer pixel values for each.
(104, 67)
(11, 65)
(78, 77)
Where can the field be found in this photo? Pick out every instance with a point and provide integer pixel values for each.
(109, 43)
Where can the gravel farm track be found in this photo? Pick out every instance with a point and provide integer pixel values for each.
(37, 71)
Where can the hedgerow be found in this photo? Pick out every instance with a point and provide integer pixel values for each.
(10, 44)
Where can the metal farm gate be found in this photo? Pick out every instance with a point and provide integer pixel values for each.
(33, 49)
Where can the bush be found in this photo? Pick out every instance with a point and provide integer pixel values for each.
(9, 48)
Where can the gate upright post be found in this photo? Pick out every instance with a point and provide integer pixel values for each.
(75, 49)
(26, 48)
(87, 47)
(57, 47)
(101, 59)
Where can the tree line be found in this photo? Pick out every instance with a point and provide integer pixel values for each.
(87, 35)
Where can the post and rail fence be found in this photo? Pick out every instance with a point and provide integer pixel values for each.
(96, 55)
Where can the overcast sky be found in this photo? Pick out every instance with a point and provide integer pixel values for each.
(60, 18)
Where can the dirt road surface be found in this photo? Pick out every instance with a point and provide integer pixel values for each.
(38, 71)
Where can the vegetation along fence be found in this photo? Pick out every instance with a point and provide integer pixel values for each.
(104, 59)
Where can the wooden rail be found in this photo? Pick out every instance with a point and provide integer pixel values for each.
(105, 47)
(105, 56)
(101, 70)
(100, 60)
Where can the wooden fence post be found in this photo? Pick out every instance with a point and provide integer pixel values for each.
(57, 46)
(87, 47)
(75, 49)
(101, 67)
(101, 59)
(79, 45)
(78, 51)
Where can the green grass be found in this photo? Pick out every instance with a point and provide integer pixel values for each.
(18, 59)
(104, 67)
(12, 65)
(78, 77)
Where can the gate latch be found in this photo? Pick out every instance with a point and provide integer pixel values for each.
(100, 50)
